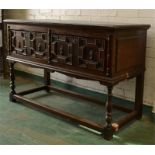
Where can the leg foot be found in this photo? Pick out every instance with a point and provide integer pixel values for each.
(108, 133)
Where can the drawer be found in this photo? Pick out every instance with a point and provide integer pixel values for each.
(29, 44)
(66, 51)
(84, 53)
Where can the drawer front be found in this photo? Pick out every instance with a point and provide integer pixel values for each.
(29, 44)
(91, 53)
(86, 54)
(62, 47)
(81, 52)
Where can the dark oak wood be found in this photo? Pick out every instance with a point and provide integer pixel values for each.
(59, 112)
(88, 98)
(108, 130)
(127, 118)
(139, 94)
(47, 79)
(12, 81)
(74, 94)
(1, 60)
(2, 51)
(25, 92)
(1, 48)
(104, 52)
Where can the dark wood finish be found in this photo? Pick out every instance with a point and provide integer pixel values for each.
(58, 112)
(1, 50)
(139, 94)
(74, 94)
(127, 118)
(47, 79)
(108, 130)
(2, 53)
(108, 53)
(12, 81)
(88, 98)
(32, 90)
(1, 60)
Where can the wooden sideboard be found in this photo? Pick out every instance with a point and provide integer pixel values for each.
(108, 53)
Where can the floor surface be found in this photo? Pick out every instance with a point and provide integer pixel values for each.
(22, 125)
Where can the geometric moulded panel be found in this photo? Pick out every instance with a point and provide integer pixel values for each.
(62, 48)
(92, 53)
(32, 44)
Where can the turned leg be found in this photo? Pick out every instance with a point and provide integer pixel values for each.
(139, 94)
(108, 130)
(47, 79)
(12, 82)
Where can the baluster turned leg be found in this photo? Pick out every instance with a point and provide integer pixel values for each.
(108, 130)
(12, 82)
(47, 79)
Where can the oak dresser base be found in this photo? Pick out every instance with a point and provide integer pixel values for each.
(105, 52)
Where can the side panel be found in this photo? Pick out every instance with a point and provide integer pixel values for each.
(129, 51)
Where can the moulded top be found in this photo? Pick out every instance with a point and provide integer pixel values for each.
(107, 25)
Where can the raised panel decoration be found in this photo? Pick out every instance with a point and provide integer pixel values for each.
(81, 52)
(128, 50)
(41, 42)
(62, 48)
(27, 43)
(92, 53)
(77, 51)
